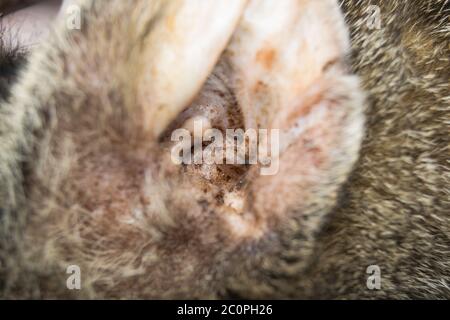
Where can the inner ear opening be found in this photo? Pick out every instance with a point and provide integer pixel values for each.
(217, 106)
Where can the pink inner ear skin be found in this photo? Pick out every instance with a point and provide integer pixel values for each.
(26, 27)
(280, 52)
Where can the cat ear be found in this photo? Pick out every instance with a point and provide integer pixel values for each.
(290, 74)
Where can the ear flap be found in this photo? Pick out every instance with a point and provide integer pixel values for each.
(190, 42)
(288, 61)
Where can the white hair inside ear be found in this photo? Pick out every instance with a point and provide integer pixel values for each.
(28, 26)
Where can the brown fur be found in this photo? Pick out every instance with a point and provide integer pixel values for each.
(82, 182)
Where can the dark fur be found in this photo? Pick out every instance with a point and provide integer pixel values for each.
(11, 61)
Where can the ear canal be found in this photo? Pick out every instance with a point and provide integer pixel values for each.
(181, 54)
(289, 73)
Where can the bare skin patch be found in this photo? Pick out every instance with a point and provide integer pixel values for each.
(266, 57)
